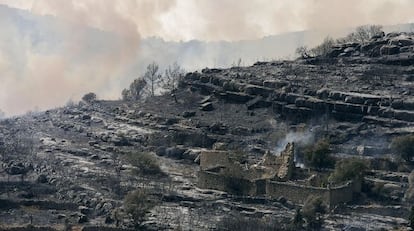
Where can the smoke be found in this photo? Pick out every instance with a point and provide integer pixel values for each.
(54, 50)
(234, 20)
(73, 48)
(301, 138)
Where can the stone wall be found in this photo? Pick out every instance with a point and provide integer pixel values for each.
(299, 193)
(275, 189)
(341, 194)
(237, 186)
(294, 192)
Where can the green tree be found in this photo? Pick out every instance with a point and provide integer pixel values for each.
(404, 147)
(135, 91)
(348, 169)
(319, 155)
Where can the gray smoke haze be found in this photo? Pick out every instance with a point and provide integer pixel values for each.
(54, 50)
(47, 60)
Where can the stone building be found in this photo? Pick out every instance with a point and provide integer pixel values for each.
(271, 177)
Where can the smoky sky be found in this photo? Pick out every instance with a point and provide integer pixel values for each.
(55, 50)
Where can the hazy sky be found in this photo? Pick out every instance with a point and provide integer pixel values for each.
(45, 61)
(220, 19)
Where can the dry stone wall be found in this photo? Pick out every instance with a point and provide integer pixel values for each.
(294, 192)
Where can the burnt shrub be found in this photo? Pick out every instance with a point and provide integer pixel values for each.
(138, 203)
(312, 212)
(89, 97)
(348, 169)
(318, 155)
(236, 221)
(403, 146)
(145, 163)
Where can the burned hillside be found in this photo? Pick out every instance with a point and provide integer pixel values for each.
(84, 165)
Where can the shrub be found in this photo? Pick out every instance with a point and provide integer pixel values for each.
(89, 97)
(145, 162)
(303, 52)
(240, 223)
(297, 221)
(348, 169)
(411, 217)
(319, 155)
(312, 212)
(404, 147)
(324, 48)
(138, 203)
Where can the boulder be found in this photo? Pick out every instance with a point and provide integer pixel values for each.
(258, 102)
(258, 90)
(274, 83)
(208, 106)
(406, 49)
(175, 152)
(220, 146)
(235, 97)
(84, 210)
(42, 178)
(401, 41)
(389, 50)
(335, 52)
(188, 114)
(82, 219)
(409, 194)
(86, 117)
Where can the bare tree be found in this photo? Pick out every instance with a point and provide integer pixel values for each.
(173, 74)
(362, 34)
(324, 48)
(152, 77)
(303, 52)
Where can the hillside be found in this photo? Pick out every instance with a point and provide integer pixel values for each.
(70, 166)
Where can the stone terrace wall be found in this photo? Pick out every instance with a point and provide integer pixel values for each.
(340, 105)
(295, 193)
(341, 194)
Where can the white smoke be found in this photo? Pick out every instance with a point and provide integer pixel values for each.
(299, 138)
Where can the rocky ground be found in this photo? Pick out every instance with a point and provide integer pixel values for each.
(67, 166)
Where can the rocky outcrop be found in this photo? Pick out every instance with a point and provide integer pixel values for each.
(311, 102)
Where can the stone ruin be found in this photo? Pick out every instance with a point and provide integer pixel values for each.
(271, 177)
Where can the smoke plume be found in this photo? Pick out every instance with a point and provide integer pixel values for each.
(54, 50)
(73, 48)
